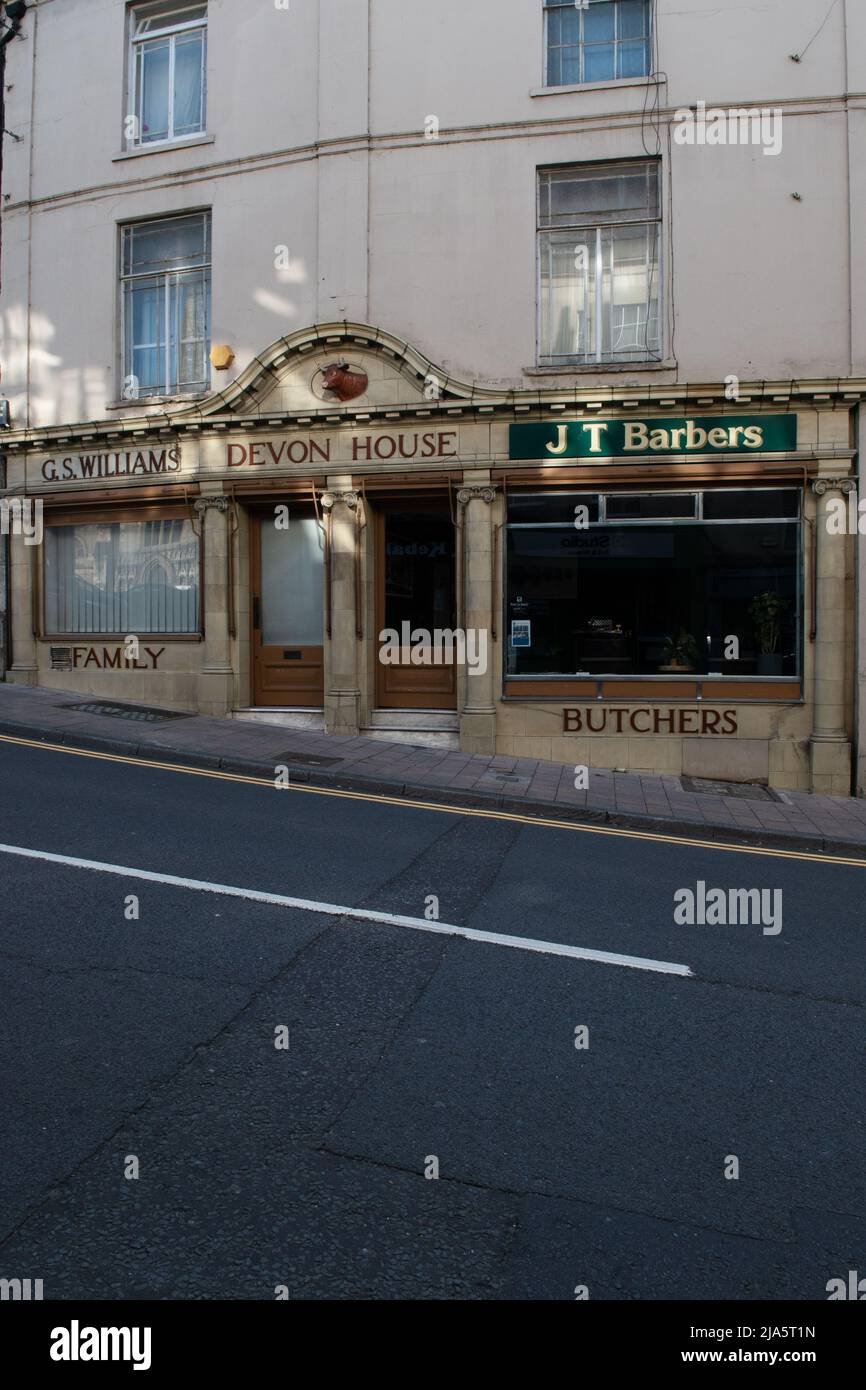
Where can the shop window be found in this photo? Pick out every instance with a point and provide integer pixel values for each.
(599, 240)
(644, 597)
(123, 577)
(552, 508)
(167, 81)
(662, 505)
(598, 41)
(166, 279)
(750, 504)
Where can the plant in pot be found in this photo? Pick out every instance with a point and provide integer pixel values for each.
(766, 612)
(681, 652)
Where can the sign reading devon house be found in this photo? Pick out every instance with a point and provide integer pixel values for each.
(717, 434)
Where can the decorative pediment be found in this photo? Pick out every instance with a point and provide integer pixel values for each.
(334, 370)
(351, 373)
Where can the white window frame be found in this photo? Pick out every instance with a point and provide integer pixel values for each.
(576, 363)
(125, 278)
(136, 140)
(591, 82)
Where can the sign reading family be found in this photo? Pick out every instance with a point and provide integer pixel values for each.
(717, 434)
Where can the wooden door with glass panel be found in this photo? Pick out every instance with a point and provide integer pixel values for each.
(288, 609)
(415, 595)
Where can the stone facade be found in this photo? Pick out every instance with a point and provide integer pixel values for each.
(371, 176)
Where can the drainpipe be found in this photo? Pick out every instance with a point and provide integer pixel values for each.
(11, 22)
(859, 437)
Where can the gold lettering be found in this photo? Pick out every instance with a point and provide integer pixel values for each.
(561, 441)
(636, 436)
(595, 431)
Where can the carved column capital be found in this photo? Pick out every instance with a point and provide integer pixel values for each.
(330, 498)
(469, 494)
(218, 501)
(822, 485)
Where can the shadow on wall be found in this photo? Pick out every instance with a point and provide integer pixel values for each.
(65, 395)
(58, 394)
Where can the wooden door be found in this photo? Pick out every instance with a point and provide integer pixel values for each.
(416, 593)
(287, 589)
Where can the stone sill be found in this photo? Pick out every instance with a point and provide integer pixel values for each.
(165, 147)
(668, 364)
(89, 639)
(612, 85)
(151, 402)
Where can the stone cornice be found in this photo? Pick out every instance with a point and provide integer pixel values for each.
(598, 117)
(237, 407)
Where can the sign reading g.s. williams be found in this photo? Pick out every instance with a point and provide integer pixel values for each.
(125, 463)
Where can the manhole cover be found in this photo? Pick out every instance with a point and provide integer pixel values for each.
(142, 714)
(309, 759)
(745, 791)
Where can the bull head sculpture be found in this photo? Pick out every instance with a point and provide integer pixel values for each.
(345, 384)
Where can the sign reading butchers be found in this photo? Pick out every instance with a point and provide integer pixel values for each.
(598, 720)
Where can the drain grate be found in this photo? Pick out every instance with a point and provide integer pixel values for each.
(141, 714)
(307, 759)
(744, 791)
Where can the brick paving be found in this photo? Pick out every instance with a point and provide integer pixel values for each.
(528, 785)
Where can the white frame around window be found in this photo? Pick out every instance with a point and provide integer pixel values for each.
(134, 126)
(581, 46)
(167, 277)
(588, 233)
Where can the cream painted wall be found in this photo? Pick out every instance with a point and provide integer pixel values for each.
(433, 240)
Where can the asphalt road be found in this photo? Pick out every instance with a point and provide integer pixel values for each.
(602, 1166)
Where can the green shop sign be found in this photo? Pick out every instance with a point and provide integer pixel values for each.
(715, 434)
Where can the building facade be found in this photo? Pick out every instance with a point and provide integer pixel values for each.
(490, 375)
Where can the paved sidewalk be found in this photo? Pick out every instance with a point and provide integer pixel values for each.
(797, 820)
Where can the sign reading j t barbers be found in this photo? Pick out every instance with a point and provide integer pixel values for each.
(717, 434)
(581, 439)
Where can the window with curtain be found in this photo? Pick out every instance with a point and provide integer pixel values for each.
(598, 41)
(599, 249)
(165, 274)
(167, 72)
(125, 577)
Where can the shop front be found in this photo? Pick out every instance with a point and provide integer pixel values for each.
(646, 583)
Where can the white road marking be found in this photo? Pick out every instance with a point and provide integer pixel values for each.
(390, 919)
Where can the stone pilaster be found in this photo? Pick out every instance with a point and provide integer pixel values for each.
(830, 747)
(478, 714)
(216, 682)
(22, 600)
(342, 685)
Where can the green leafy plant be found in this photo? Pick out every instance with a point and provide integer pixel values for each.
(766, 612)
(681, 650)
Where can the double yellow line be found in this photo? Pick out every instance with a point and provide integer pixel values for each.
(399, 801)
